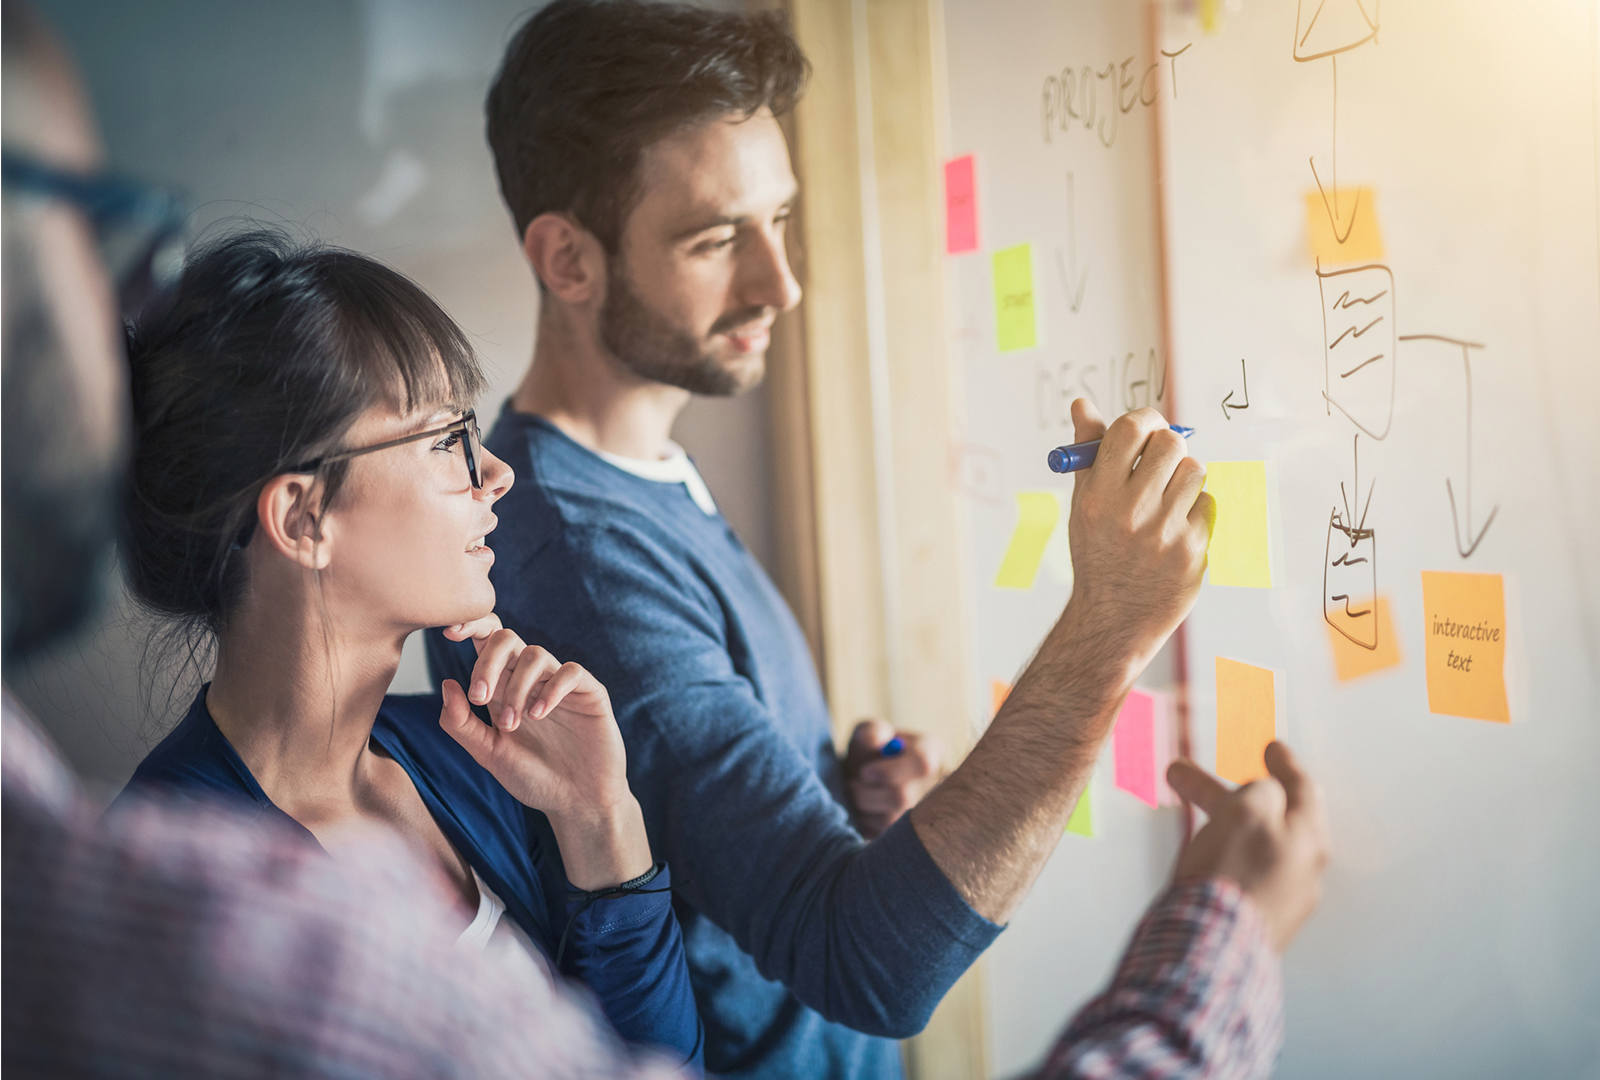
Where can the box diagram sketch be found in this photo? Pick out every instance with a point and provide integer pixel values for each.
(1359, 345)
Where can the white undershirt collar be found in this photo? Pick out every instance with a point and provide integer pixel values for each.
(675, 468)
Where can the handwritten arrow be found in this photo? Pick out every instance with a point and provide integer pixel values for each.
(1074, 298)
(1226, 415)
(1468, 543)
(1333, 207)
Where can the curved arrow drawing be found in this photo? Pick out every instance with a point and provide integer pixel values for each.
(1226, 415)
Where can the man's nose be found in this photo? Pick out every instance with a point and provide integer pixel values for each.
(767, 280)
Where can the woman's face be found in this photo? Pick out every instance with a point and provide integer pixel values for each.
(406, 529)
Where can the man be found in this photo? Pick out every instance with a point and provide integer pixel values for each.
(638, 151)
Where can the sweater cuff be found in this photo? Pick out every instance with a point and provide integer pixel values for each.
(922, 882)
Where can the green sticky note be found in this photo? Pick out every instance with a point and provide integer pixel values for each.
(1037, 514)
(1238, 554)
(1082, 819)
(1013, 298)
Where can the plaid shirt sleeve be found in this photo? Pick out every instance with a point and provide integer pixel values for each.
(1199, 993)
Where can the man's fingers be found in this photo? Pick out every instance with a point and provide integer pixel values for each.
(1086, 421)
(1303, 793)
(1265, 798)
(1196, 785)
(457, 718)
(1188, 480)
(1204, 513)
(915, 764)
(871, 735)
(879, 798)
(1125, 440)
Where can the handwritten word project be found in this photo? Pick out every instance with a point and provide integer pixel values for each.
(1037, 514)
(1239, 552)
(1097, 98)
(1246, 720)
(1013, 298)
(1465, 653)
(960, 206)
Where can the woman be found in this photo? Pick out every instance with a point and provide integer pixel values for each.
(309, 489)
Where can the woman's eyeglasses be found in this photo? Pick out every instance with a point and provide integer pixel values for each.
(466, 427)
(139, 227)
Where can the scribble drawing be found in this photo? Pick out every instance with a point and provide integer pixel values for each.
(1359, 345)
(1227, 402)
(1330, 27)
(1466, 541)
(1350, 563)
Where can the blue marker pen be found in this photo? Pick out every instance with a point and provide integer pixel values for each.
(1081, 455)
(893, 748)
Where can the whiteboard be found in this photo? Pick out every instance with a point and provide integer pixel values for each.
(1458, 935)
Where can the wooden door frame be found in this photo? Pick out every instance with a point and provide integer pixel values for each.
(863, 408)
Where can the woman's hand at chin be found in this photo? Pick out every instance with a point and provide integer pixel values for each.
(555, 747)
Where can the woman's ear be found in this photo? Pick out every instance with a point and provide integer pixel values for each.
(291, 522)
(569, 259)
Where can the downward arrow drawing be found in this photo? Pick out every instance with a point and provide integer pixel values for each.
(1466, 543)
(1070, 279)
(1226, 415)
(1333, 207)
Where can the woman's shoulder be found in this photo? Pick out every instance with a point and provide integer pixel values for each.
(407, 727)
(195, 759)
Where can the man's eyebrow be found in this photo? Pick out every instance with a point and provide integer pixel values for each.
(729, 219)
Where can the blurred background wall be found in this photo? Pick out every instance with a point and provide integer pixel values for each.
(359, 122)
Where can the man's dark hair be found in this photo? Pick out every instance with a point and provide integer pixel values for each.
(587, 85)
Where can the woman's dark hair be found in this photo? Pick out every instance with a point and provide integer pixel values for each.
(260, 358)
(587, 85)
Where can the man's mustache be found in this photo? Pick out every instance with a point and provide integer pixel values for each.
(740, 318)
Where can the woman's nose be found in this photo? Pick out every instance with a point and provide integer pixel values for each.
(497, 477)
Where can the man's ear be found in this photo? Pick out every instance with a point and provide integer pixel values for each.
(291, 522)
(569, 259)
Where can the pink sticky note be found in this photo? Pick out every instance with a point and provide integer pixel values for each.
(960, 206)
(1134, 741)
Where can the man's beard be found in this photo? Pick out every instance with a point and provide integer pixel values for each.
(645, 343)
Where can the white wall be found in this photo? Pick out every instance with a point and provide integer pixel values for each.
(360, 122)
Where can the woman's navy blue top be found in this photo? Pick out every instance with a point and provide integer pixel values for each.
(628, 951)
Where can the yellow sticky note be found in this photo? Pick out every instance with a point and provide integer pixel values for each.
(1466, 644)
(1246, 720)
(998, 692)
(1037, 514)
(1351, 626)
(1352, 215)
(1013, 298)
(1238, 554)
(1082, 819)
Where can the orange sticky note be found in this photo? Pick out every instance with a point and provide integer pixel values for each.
(1355, 626)
(1342, 227)
(1246, 720)
(998, 692)
(1465, 654)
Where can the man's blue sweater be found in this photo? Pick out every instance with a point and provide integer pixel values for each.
(809, 948)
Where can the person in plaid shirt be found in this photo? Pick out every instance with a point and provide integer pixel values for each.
(178, 941)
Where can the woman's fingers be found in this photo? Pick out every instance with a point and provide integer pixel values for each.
(477, 631)
(568, 678)
(496, 655)
(533, 667)
(457, 718)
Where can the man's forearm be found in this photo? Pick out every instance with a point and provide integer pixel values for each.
(995, 820)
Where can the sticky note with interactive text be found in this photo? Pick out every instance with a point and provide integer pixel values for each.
(1240, 553)
(1246, 719)
(960, 206)
(1014, 322)
(1465, 651)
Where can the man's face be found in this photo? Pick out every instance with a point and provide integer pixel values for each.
(65, 391)
(702, 270)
